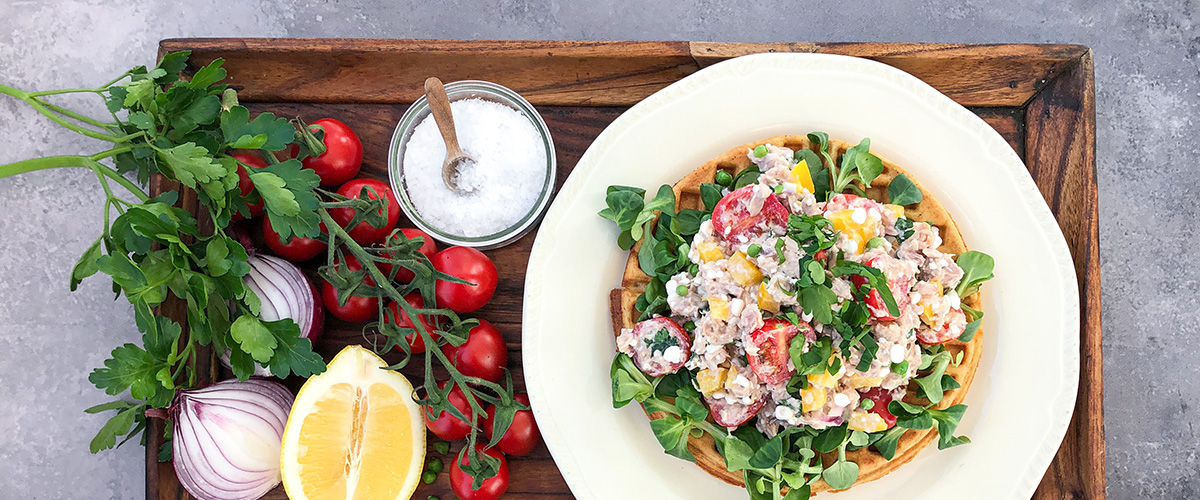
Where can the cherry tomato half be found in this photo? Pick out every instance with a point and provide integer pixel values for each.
(654, 362)
(245, 185)
(731, 217)
(881, 397)
(728, 414)
(364, 233)
(416, 343)
(343, 153)
(874, 299)
(522, 434)
(428, 248)
(447, 426)
(297, 249)
(770, 361)
(483, 355)
(468, 264)
(492, 488)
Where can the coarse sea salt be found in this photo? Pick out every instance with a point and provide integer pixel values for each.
(503, 184)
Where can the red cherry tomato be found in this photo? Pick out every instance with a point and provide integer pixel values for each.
(343, 153)
(770, 362)
(522, 434)
(881, 398)
(297, 249)
(653, 362)
(492, 488)
(357, 308)
(416, 343)
(447, 426)
(468, 264)
(428, 248)
(731, 217)
(364, 233)
(483, 355)
(245, 185)
(874, 299)
(728, 414)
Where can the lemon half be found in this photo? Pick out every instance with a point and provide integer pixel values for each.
(354, 432)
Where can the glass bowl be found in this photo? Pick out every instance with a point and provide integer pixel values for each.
(468, 89)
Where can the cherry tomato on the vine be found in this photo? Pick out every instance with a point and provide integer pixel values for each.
(468, 264)
(492, 488)
(245, 185)
(522, 434)
(428, 247)
(447, 426)
(298, 249)
(483, 355)
(416, 343)
(357, 308)
(343, 153)
(364, 233)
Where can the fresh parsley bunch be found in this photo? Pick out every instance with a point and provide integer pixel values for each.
(182, 129)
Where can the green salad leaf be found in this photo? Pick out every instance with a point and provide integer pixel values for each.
(902, 191)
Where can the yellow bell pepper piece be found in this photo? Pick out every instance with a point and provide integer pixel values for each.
(812, 398)
(765, 301)
(860, 234)
(866, 422)
(743, 271)
(709, 251)
(898, 210)
(803, 176)
(710, 381)
(718, 308)
(821, 380)
(858, 381)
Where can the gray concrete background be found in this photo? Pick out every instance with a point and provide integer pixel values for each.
(1147, 57)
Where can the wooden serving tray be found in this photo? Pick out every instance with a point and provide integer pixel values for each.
(1039, 97)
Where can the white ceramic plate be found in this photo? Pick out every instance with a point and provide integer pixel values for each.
(1024, 392)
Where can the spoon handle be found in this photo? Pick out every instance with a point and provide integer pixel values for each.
(439, 106)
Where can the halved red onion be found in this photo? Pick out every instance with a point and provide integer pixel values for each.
(227, 438)
(285, 292)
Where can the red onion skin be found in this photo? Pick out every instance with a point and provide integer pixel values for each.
(260, 404)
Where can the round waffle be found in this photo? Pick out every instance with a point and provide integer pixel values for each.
(687, 195)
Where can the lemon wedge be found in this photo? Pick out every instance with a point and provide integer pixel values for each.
(354, 433)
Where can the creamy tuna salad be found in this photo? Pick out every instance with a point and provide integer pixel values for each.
(789, 304)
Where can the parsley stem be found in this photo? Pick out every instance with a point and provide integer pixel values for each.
(62, 91)
(71, 114)
(48, 162)
(115, 80)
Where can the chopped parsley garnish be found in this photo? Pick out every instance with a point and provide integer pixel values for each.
(661, 341)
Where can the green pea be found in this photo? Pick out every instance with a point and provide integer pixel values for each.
(867, 404)
(778, 189)
(429, 477)
(681, 290)
(754, 249)
(723, 178)
(442, 447)
(876, 242)
(760, 151)
(435, 465)
(900, 368)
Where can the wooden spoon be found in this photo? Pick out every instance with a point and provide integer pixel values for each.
(439, 106)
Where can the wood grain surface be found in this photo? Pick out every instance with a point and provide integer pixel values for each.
(1038, 97)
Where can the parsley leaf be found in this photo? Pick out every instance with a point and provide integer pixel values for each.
(265, 131)
(254, 337)
(287, 193)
